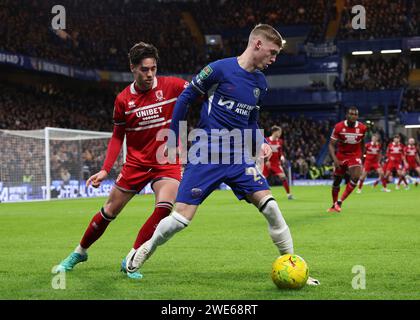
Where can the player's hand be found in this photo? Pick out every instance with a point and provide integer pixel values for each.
(282, 159)
(266, 151)
(97, 178)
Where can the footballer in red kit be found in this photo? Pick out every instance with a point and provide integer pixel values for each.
(395, 160)
(273, 164)
(346, 149)
(140, 111)
(413, 160)
(372, 161)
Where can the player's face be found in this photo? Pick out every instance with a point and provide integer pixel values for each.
(396, 139)
(144, 73)
(352, 115)
(411, 141)
(267, 52)
(277, 134)
(374, 139)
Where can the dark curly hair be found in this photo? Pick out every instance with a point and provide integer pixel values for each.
(142, 51)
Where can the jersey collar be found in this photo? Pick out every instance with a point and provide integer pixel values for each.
(134, 91)
(355, 125)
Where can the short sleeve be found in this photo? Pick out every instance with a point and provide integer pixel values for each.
(334, 134)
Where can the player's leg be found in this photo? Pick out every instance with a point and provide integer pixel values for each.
(381, 176)
(197, 183)
(114, 204)
(362, 179)
(387, 172)
(165, 189)
(283, 178)
(277, 226)
(166, 229)
(335, 190)
(355, 173)
(402, 178)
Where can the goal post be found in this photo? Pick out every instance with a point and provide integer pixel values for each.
(53, 163)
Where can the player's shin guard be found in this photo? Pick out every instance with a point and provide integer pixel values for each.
(166, 228)
(277, 227)
(96, 228)
(349, 189)
(162, 210)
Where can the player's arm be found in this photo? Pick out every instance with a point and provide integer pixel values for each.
(199, 86)
(260, 141)
(331, 149)
(114, 146)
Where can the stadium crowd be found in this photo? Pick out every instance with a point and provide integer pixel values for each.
(411, 100)
(247, 13)
(386, 19)
(92, 38)
(376, 73)
(92, 35)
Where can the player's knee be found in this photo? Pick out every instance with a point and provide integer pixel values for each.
(106, 215)
(110, 210)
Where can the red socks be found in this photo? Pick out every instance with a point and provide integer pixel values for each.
(96, 228)
(349, 189)
(361, 183)
(286, 186)
(162, 210)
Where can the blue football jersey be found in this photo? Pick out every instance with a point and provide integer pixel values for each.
(232, 105)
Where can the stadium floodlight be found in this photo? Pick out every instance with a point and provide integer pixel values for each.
(412, 126)
(414, 49)
(356, 53)
(391, 51)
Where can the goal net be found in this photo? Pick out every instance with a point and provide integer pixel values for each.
(53, 163)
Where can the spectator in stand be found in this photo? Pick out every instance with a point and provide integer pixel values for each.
(384, 19)
(376, 73)
(411, 100)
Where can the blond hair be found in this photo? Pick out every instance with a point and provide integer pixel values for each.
(269, 33)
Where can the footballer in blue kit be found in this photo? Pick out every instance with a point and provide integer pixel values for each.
(232, 104)
(234, 87)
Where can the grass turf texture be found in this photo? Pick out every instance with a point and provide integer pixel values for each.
(225, 253)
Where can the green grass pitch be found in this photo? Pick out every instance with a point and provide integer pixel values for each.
(225, 253)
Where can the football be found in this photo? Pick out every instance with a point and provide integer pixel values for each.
(290, 271)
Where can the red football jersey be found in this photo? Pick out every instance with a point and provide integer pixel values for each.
(373, 152)
(349, 139)
(395, 152)
(144, 114)
(410, 152)
(277, 147)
